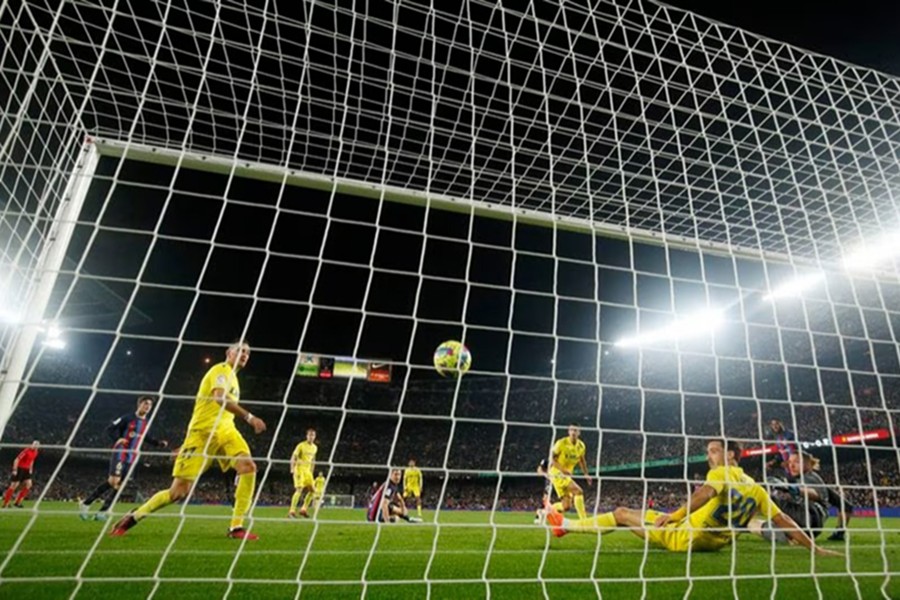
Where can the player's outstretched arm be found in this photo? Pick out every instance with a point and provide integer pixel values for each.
(701, 496)
(784, 522)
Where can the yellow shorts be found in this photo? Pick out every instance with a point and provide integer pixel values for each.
(195, 456)
(412, 491)
(318, 493)
(561, 483)
(303, 478)
(678, 537)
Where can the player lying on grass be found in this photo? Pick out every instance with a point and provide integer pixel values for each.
(212, 436)
(716, 512)
(387, 505)
(804, 496)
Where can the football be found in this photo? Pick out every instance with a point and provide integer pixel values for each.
(452, 359)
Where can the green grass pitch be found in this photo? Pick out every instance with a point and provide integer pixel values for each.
(330, 559)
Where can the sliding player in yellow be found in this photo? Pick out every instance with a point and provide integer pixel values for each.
(303, 461)
(567, 453)
(211, 435)
(412, 484)
(716, 512)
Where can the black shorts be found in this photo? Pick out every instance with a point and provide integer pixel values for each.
(810, 519)
(119, 467)
(22, 475)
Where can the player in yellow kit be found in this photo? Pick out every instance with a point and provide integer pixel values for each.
(412, 484)
(567, 453)
(212, 436)
(303, 461)
(716, 512)
(319, 493)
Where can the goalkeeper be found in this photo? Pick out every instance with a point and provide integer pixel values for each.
(803, 497)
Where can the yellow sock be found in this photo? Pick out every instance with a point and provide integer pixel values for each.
(579, 506)
(157, 501)
(559, 507)
(308, 500)
(243, 496)
(419, 510)
(295, 499)
(604, 522)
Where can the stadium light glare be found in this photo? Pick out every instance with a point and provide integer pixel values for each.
(9, 317)
(55, 344)
(53, 332)
(868, 256)
(697, 324)
(795, 287)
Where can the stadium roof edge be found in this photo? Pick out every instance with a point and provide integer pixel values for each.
(274, 173)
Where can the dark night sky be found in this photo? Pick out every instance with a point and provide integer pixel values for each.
(865, 33)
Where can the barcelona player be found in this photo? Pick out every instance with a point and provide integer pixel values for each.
(716, 512)
(412, 484)
(212, 434)
(128, 431)
(303, 461)
(22, 473)
(567, 453)
(386, 504)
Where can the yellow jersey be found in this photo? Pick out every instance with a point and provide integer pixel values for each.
(412, 478)
(320, 485)
(305, 455)
(209, 414)
(567, 454)
(738, 498)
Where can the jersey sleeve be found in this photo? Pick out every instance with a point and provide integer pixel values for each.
(219, 377)
(557, 447)
(814, 482)
(116, 429)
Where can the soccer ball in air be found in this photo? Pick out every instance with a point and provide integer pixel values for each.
(452, 359)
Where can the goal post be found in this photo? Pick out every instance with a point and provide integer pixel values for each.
(337, 501)
(31, 322)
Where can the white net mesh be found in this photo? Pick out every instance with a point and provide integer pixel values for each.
(562, 186)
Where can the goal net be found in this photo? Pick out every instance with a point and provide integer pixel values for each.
(655, 228)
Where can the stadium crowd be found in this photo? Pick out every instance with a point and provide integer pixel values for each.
(499, 427)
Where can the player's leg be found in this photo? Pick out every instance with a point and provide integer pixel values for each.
(112, 493)
(419, 503)
(235, 453)
(577, 495)
(401, 512)
(116, 467)
(23, 491)
(307, 500)
(189, 465)
(561, 485)
(295, 500)
(602, 523)
(243, 495)
(7, 497)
